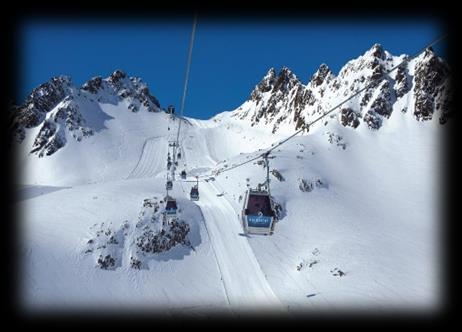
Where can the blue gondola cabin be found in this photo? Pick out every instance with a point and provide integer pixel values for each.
(258, 214)
(171, 207)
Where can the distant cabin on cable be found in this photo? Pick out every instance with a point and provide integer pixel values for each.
(169, 185)
(258, 213)
(194, 194)
(171, 109)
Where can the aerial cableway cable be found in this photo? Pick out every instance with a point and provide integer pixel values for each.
(305, 127)
(186, 79)
(175, 144)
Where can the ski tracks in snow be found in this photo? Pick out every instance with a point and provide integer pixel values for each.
(152, 158)
(245, 283)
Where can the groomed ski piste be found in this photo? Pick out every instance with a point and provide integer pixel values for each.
(358, 231)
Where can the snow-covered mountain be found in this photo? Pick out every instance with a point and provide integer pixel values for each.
(420, 86)
(359, 220)
(62, 110)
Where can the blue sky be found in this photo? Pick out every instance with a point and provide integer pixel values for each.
(229, 57)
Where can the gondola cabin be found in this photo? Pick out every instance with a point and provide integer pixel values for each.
(183, 174)
(178, 155)
(169, 185)
(258, 214)
(171, 109)
(194, 194)
(171, 207)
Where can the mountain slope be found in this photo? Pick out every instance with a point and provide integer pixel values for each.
(359, 226)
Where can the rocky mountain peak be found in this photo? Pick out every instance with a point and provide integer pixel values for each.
(321, 75)
(377, 51)
(432, 88)
(56, 106)
(55, 88)
(93, 85)
(117, 75)
(285, 80)
(270, 74)
(280, 100)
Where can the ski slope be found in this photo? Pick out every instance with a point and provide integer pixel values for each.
(152, 159)
(375, 219)
(244, 281)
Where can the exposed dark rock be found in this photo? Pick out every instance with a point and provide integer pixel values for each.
(93, 85)
(381, 105)
(402, 82)
(349, 118)
(372, 120)
(135, 263)
(41, 100)
(378, 51)
(117, 76)
(151, 242)
(309, 185)
(378, 70)
(107, 262)
(431, 82)
(321, 75)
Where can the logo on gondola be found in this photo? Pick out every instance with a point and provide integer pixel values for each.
(259, 220)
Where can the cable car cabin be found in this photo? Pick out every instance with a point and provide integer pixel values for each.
(194, 194)
(178, 155)
(169, 185)
(171, 109)
(183, 174)
(171, 207)
(258, 213)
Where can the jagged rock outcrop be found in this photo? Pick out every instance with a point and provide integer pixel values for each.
(431, 88)
(281, 100)
(41, 100)
(93, 85)
(277, 87)
(349, 117)
(323, 74)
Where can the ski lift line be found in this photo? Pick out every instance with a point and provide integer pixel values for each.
(188, 67)
(372, 83)
(238, 165)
